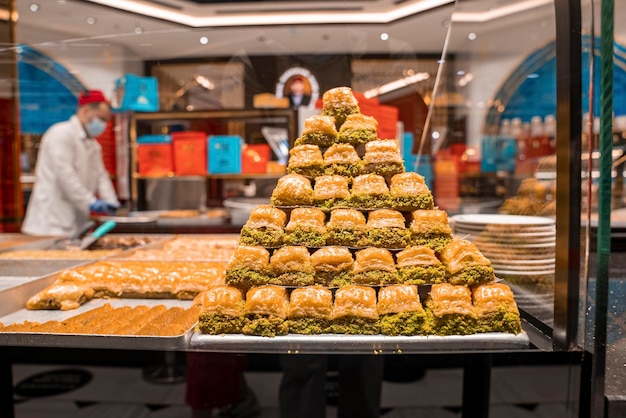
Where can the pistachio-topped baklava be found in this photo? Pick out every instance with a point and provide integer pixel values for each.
(465, 264)
(310, 310)
(358, 129)
(450, 309)
(496, 308)
(291, 266)
(374, 267)
(342, 160)
(318, 130)
(266, 310)
(306, 226)
(306, 160)
(222, 310)
(264, 227)
(354, 311)
(333, 266)
(430, 228)
(331, 191)
(400, 311)
(386, 228)
(369, 191)
(339, 103)
(383, 157)
(409, 192)
(419, 265)
(292, 190)
(249, 266)
(346, 227)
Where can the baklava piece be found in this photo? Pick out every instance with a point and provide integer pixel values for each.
(310, 310)
(342, 160)
(292, 190)
(346, 227)
(266, 311)
(369, 191)
(420, 265)
(264, 227)
(400, 311)
(386, 228)
(354, 311)
(318, 130)
(383, 157)
(339, 103)
(465, 264)
(358, 129)
(248, 267)
(306, 160)
(496, 309)
(430, 228)
(61, 295)
(450, 309)
(222, 311)
(374, 267)
(291, 266)
(331, 191)
(333, 266)
(409, 192)
(306, 227)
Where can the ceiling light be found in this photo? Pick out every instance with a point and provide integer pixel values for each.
(395, 85)
(407, 8)
(204, 40)
(91, 20)
(61, 1)
(460, 72)
(34, 7)
(384, 36)
(471, 36)
(498, 12)
(138, 30)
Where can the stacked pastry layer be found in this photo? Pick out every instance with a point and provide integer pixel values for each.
(459, 262)
(348, 237)
(392, 310)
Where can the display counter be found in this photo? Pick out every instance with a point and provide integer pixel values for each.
(475, 353)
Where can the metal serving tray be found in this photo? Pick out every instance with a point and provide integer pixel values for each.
(356, 344)
(126, 342)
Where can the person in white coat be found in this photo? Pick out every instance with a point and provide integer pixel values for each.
(70, 178)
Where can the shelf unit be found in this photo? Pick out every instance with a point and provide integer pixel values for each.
(244, 122)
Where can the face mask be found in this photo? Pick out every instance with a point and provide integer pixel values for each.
(96, 127)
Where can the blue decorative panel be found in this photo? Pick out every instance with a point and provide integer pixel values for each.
(531, 89)
(48, 91)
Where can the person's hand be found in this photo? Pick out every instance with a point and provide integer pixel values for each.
(101, 207)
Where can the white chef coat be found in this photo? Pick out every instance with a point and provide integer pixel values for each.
(68, 176)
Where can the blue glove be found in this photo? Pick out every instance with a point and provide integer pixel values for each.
(101, 207)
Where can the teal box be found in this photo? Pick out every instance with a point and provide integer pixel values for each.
(224, 154)
(154, 139)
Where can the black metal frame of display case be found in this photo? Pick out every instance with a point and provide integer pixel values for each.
(558, 348)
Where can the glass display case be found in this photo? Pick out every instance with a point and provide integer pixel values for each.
(501, 107)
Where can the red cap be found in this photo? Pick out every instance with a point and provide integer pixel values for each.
(91, 96)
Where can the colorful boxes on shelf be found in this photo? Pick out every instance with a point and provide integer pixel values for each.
(254, 158)
(190, 153)
(154, 155)
(224, 154)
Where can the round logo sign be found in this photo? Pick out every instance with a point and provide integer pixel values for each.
(300, 86)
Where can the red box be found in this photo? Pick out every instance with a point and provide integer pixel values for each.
(254, 158)
(155, 159)
(190, 153)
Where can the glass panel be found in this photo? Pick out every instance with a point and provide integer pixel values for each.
(493, 136)
(478, 123)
